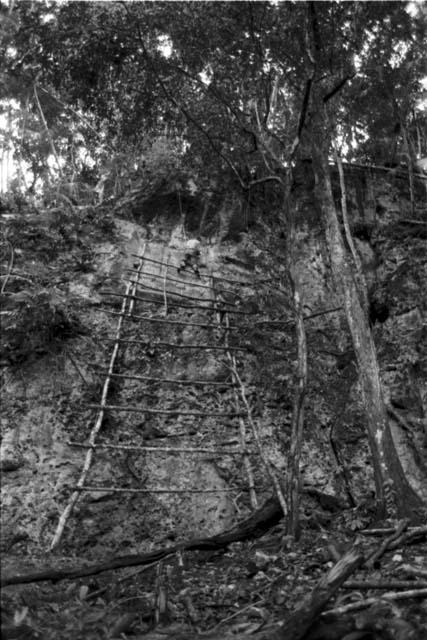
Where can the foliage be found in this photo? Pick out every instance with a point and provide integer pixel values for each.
(228, 85)
(38, 321)
(385, 103)
(42, 248)
(154, 164)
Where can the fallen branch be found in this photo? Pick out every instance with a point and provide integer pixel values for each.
(413, 534)
(384, 584)
(254, 526)
(235, 614)
(402, 525)
(390, 597)
(385, 531)
(299, 622)
(17, 277)
(414, 571)
(411, 221)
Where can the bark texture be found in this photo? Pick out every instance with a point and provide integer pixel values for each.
(394, 494)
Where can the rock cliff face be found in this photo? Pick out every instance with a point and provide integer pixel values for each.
(46, 400)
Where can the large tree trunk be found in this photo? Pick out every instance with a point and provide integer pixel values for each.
(394, 493)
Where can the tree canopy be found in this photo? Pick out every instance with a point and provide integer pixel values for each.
(224, 83)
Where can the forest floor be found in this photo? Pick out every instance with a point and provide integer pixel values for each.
(239, 592)
(235, 593)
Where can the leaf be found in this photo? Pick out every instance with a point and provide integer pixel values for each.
(19, 616)
(355, 635)
(95, 616)
(83, 591)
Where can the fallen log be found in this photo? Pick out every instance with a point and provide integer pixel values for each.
(263, 519)
(297, 625)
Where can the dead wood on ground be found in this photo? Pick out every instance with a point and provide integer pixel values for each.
(254, 526)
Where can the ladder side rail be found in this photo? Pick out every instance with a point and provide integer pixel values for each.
(94, 432)
(255, 432)
(164, 291)
(220, 315)
(135, 284)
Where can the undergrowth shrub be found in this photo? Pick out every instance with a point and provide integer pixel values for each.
(35, 322)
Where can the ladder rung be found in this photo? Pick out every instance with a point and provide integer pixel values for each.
(222, 279)
(174, 346)
(181, 295)
(172, 303)
(163, 264)
(203, 325)
(172, 293)
(169, 279)
(131, 447)
(166, 380)
(123, 490)
(167, 412)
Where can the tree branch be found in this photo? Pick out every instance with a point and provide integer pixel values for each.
(338, 87)
(189, 117)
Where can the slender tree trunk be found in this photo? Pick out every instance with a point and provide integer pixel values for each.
(300, 387)
(410, 167)
(293, 475)
(47, 131)
(395, 496)
(2, 169)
